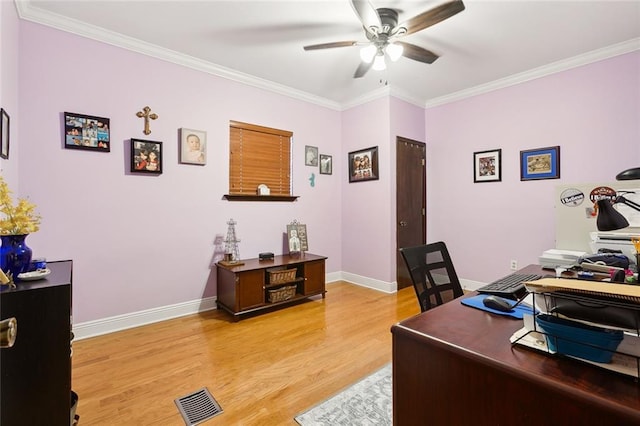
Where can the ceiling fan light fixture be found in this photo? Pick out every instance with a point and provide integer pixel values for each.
(379, 64)
(394, 51)
(368, 53)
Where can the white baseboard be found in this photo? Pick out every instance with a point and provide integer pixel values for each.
(384, 286)
(135, 319)
(470, 285)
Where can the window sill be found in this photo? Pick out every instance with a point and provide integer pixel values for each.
(245, 197)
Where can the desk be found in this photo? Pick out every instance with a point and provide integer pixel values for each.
(454, 365)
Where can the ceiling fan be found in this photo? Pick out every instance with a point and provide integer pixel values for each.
(383, 31)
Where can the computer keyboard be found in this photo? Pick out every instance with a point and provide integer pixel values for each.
(510, 287)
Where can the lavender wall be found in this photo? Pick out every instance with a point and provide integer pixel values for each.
(9, 88)
(591, 112)
(138, 241)
(365, 205)
(143, 242)
(368, 208)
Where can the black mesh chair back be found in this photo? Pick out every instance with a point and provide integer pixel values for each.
(433, 275)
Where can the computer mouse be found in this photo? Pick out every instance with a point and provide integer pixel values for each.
(497, 303)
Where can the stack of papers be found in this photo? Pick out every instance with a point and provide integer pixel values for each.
(624, 292)
(557, 257)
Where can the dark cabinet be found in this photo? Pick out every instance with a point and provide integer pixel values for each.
(35, 385)
(250, 287)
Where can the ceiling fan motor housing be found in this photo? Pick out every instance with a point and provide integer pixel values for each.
(389, 19)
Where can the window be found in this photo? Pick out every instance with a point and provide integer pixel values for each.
(259, 155)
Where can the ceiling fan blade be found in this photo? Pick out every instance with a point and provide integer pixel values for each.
(330, 45)
(362, 69)
(417, 53)
(367, 14)
(433, 16)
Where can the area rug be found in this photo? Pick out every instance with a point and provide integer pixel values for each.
(367, 402)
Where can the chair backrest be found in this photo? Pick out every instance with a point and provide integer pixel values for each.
(434, 277)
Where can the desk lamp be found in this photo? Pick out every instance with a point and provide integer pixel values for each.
(629, 174)
(610, 219)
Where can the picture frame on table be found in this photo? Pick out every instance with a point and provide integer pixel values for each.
(86, 132)
(146, 156)
(4, 131)
(487, 166)
(297, 237)
(193, 147)
(363, 165)
(326, 164)
(540, 163)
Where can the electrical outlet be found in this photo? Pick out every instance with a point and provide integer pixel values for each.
(514, 265)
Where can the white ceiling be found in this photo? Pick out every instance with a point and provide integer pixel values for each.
(488, 45)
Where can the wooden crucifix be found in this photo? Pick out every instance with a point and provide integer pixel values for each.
(145, 114)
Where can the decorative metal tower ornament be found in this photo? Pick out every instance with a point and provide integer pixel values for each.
(231, 252)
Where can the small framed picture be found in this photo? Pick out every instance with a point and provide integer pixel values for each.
(487, 166)
(193, 147)
(363, 165)
(297, 236)
(4, 131)
(311, 155)
(146, 156)
(86, 132)
(541, 163)
(326, 164)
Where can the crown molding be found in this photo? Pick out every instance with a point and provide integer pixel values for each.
(27, 12)
(552, 68)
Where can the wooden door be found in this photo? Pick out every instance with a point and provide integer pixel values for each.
(411, 181)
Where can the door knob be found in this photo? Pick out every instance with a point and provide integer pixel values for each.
(8, 331)
(403, 223)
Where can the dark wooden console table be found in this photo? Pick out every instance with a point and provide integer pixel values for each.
(454, 365)
(35, 383)
(245, 288)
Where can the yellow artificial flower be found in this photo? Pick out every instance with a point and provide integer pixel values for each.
(19, 219)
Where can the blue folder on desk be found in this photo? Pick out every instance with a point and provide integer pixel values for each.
(476, 302)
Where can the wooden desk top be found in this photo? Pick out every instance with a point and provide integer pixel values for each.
(280, 260)
(484, 338)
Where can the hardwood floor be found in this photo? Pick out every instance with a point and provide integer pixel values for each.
(262, 370)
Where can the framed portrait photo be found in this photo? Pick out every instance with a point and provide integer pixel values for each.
(146, 156)
(86, 132)
(363, 165)
(541, 163)
(487, 166)
(326, 164)
(193, 147)
(311, 156)
(4, 131)
(297, 237)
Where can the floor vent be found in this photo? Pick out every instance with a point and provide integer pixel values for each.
(198, 407)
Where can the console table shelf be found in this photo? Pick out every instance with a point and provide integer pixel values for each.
(244, 289)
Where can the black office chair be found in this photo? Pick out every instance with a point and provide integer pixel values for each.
(433, 275)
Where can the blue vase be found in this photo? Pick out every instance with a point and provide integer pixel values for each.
(15, 255)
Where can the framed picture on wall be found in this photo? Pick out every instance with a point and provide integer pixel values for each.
(311, 156)
(541, 163)
(363, 165)
(4, 131)
(193, 147)
(86, 132)
(326, 164)
(487, 166)
(146, 156)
